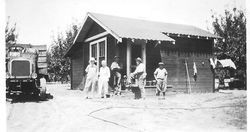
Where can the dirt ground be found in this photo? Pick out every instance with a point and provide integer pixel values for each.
(69, 111)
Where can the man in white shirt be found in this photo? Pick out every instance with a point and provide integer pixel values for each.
(140, 75)
(92, 74)
(115, 68)
(160, 75)
(104, 76)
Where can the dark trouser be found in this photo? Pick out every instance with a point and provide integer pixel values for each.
(117, 82)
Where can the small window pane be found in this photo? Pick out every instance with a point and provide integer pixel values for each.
(94, 50)
(102, 49)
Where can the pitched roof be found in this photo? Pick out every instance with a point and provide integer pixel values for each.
(143, 29)
(121, 27)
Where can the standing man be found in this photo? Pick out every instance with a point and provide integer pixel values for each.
(160, 75)
(115, 68)
(92, 74)
(104, 76)
(140, 76)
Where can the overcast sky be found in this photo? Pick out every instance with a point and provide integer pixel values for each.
(39, 20)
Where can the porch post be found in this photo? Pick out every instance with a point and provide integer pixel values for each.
(144, 59)
(128, 57)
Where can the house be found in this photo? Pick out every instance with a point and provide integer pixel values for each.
(104, 36)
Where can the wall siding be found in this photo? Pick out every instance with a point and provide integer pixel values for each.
(77, 64)
(177, 76)
(173, 55)
(111, 49)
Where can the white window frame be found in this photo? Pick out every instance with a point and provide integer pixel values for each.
(98, 49)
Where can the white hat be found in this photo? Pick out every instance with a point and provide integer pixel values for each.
(92, 59)
(161, 63)
(139, 59)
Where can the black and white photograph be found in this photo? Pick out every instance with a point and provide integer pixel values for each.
(124, 65)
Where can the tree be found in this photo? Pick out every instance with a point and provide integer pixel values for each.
(10, 33)
(58, 66)
(232, 28)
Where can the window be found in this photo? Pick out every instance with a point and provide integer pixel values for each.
(94, 51)
(98, 50)
(102, 48)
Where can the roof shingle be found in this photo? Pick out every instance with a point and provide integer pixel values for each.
(142, 29)
(121, 27)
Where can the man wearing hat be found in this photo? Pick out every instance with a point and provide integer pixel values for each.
(160, 75)
(92, 75)
(140, 75)
(115, 70)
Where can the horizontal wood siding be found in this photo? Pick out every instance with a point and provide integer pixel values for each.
(177, 76)
(77, 64)
(191, 45)
(112, 49)
(86, 56)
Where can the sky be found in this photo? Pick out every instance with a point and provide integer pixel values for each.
(39, 20)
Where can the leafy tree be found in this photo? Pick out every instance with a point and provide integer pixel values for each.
(232, 28)
(58, 66)
(10, 33)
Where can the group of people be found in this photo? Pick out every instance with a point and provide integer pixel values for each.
(93, 76)
(103, 75)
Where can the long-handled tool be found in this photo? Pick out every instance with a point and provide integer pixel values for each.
(188, 78)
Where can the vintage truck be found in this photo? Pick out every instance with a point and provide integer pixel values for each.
(26, 66)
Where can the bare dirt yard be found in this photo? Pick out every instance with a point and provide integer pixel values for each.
(69, 111)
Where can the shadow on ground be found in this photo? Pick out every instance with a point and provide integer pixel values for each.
(22, 98)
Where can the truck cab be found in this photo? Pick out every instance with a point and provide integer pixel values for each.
(22, 69)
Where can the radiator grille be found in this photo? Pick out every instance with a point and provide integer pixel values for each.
(20, 68)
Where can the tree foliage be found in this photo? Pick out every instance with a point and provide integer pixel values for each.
(58, 66)
(10, 33)
(232, 28)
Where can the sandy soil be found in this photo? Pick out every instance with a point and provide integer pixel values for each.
(70, 111)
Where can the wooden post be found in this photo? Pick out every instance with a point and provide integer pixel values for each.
(143, 48)
(128, 59)
(188, 78)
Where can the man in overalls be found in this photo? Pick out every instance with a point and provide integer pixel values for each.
(91, 79)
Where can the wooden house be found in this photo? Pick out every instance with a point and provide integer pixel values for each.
(104, 36)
